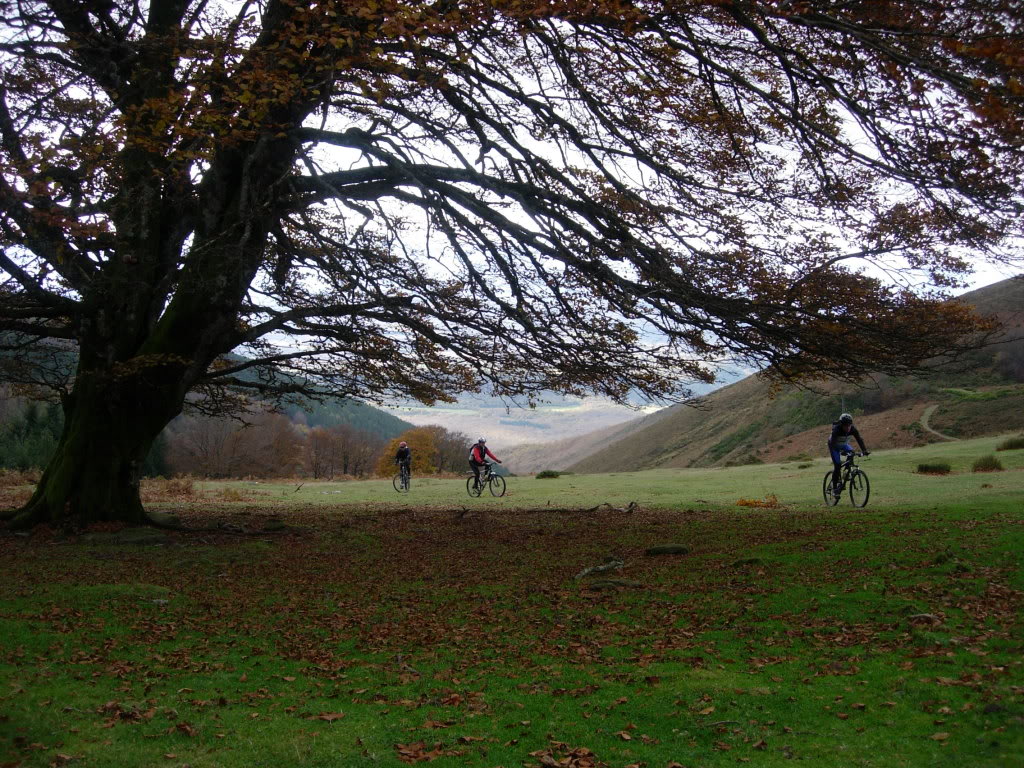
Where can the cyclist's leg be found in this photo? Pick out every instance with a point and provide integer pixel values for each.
(837, 464)
(476, 473)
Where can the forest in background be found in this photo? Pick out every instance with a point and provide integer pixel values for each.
(321, 441)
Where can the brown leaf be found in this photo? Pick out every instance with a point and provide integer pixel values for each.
(185, 728)
(939, 736)
(329, 717)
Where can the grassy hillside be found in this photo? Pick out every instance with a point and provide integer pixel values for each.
(561, 454)
(745, 423)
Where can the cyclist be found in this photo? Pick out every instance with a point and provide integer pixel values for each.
(478, 457)
(403, 458)
(839, 446)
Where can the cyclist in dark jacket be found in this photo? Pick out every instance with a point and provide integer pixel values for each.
(478, 457)
(404, 455)
(839, 445)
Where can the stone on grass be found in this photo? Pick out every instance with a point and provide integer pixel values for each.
(667, 549)
(613, 584)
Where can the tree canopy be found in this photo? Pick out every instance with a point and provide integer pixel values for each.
(394, 198)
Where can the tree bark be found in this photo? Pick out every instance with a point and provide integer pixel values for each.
(111, 419)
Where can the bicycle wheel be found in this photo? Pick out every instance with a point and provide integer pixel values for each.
(497, 485)
(826, 491)
(396, 481)
(473, 490)
(860, 488)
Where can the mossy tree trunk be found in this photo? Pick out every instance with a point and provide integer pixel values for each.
(111, 420)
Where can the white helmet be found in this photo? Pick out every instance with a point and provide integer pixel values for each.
(482, 440)
(846, 419)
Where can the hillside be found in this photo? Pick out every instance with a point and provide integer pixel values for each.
(353, 413)
(743, 423)
(560, 454)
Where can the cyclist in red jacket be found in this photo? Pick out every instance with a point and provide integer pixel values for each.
(478, 457)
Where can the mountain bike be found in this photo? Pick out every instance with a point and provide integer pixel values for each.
(403, 479)
(853, 477)
(496, 483)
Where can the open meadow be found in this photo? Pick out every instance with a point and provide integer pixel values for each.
(343, 624)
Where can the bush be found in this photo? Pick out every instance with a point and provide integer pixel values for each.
(11, 478)
(547, 474)
(1013, 444)
(987, 464)
(167, 489)
(938, 468)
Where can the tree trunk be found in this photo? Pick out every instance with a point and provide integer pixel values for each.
(110, 423)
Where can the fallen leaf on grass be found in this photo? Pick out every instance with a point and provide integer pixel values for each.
(417, 752)
(939, 736)
(329, 717)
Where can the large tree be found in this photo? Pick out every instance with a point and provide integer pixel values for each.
(412, 198)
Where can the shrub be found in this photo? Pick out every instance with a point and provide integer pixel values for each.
(11, 478)
(987, 464)
(547, 474)
(1012, 444)
(771, 501)
(803, 466)
(230, 494)
(167, 489)
(938, 468)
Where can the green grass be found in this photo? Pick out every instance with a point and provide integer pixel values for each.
(380, 629)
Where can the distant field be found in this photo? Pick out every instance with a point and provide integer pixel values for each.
(372, 629)
(894, 480)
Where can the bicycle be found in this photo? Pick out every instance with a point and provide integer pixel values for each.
(852, 477)
(496, 483)
(403, 479)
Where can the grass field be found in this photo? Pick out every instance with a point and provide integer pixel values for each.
(379, 629)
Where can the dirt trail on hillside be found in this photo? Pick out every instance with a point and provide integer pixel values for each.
(927, 427)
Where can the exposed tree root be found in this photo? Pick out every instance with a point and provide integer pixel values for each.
(628, 509)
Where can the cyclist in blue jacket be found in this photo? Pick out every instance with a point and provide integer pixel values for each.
(839, 445)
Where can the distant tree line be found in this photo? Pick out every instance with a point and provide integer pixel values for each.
(265, 444)
(435, 450)
(28, 433)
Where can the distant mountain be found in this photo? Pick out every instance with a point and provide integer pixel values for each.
(535, 457)
(742, 423)
(506, 424)
(354, 413)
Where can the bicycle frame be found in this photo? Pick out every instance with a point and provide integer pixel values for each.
(851, 477)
